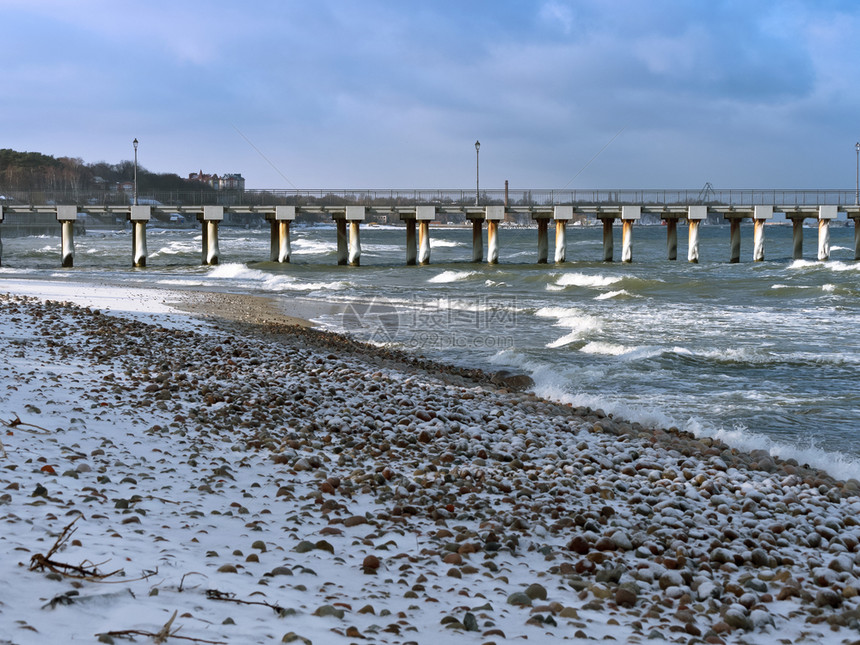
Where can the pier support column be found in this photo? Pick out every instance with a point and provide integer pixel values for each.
(279, 226)
(424, 215)
(695, 216)
(608, 250)
(543, 241)
(66, 216)
(423, 242)
(1, 239)
(672, 238)
(211, 217)
(477, 240)
(629, 214)
(139, 216)
(494, 215)
(354, 215)
(856, 219)
(411, 245)
(825, 214)
(342, 246)
(735, 240)
(797, 238)
(760, 215)
(562, 215)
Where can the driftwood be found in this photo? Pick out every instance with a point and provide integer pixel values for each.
(17, 423)
(161, 635)
(214, 594)
(83, 571)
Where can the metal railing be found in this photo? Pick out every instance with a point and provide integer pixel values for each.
(442, 197)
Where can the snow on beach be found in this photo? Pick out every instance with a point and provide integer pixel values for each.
(244, 489)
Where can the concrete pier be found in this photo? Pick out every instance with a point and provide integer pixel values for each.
(735, 240)
(825, 215)
(411, 243)
(342, 242)
(139, 216)
(209, 219)
(695, 216)
(280, 248)
(672, 238)
(424, 215)
(66, 216)
(543, 240)
(796, 237)
(608, 243)
(477, 236)
(629, 215)
(354, 217)
(1, 238)
(494, 215)
(562, 215)
(760, 215)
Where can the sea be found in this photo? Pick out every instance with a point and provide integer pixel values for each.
(760, 354)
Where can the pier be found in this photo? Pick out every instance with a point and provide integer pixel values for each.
(418, 220)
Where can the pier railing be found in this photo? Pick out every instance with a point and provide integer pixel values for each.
(442, 197)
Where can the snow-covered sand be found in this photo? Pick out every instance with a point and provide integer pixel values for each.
(227, 487)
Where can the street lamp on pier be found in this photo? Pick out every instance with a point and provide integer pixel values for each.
(857, 189)
(134, 143)
(478, 169)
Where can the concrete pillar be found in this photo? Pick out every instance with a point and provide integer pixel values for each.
(735, 240)
(411, 246)
(341, 242)
(760, 215)
(211, 217)
(608, 249)
(825, 214)
(695, 216)
(354, 258)
(279, 226)
(672, 238)
(629, 214)
(494, 215)
(797, 238)
(492, 242)
(562, 215)
(424, 215)
(139, 216)
(354, 215)
(1, 239)
(66, 216)
(423, 242)
(543, 240)
(477, 241)
(856, 238)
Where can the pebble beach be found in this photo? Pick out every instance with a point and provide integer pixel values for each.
(226, 474)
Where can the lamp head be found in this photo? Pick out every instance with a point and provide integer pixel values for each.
(134, 143)
(478, 145)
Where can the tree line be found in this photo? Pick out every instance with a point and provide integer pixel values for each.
(34, 171)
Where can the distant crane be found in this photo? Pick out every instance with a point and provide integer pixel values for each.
(706, 192)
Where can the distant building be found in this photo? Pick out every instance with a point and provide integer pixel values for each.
(231, 181)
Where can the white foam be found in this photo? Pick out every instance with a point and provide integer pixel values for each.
(445, 243)
(451, 276)
(608, 349)
(612, 294)
(268, 281)
(584, 280)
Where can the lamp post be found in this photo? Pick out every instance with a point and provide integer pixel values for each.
(857, 189)
(478, 169)
(134, 143)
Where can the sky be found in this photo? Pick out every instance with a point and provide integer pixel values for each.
(394, 93)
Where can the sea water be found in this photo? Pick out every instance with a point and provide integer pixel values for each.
(762, 355)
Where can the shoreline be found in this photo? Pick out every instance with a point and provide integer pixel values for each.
(367, 495)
